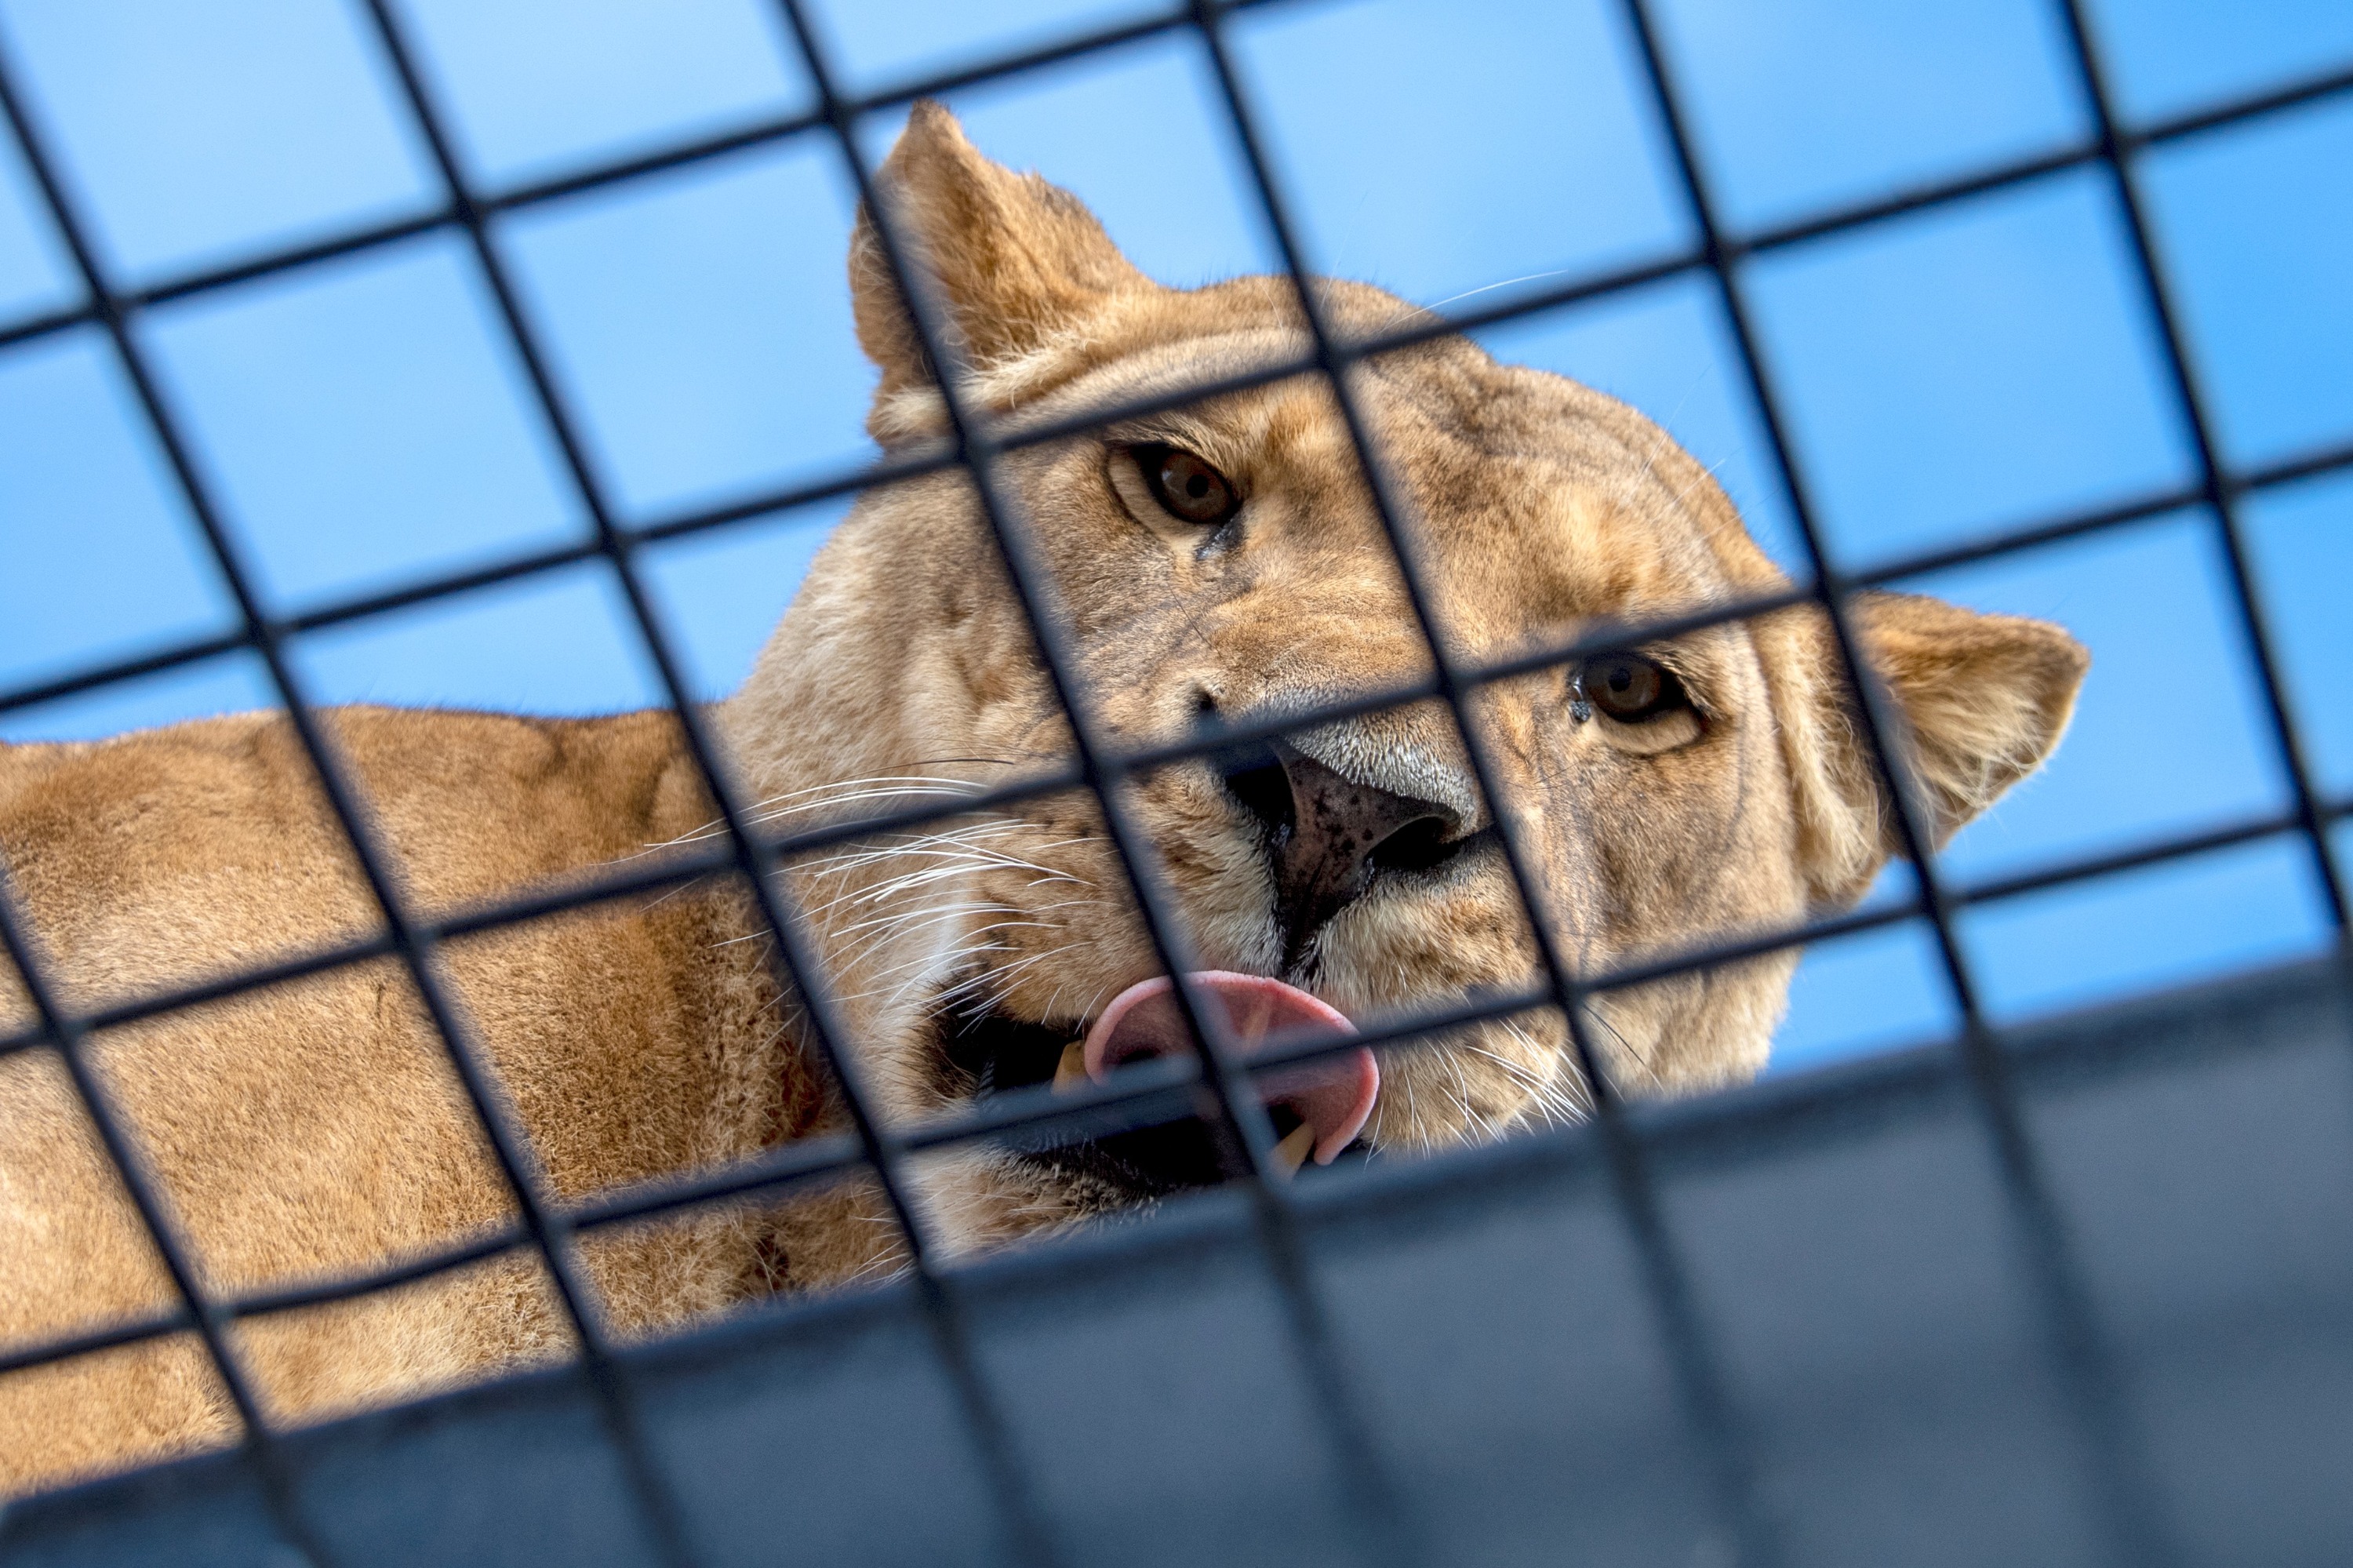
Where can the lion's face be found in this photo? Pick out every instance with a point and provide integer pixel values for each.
(1224, 565)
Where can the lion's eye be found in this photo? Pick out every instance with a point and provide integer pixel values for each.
(1188, 487)
(1631, 688)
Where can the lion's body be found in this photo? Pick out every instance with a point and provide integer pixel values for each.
(315, 1128)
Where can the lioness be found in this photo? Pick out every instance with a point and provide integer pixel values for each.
(1223, 562)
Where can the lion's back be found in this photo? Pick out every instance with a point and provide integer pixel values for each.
(314, 1127)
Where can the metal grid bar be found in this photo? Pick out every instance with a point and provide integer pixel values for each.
(2219, 495)
(1698, 1379)
(2291, 471)
(196, 1311)
(506, 1144)
(798, 973)
(1101, 769)
(1241, 1122)
(624, 883)
(776, 130)
(820, 1159)
(2121, 1478)
(2123, 1494)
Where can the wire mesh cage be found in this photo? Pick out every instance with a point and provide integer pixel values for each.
(1528, 1350)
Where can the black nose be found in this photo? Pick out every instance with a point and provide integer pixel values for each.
(1329, 836)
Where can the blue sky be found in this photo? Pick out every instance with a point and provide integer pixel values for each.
(1948, 375)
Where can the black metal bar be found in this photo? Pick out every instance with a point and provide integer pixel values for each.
(1141, 1084)
(138, 1330)
(627, 884)
(1240, 1121)
(2291, 471)
(803, 1160)
(335, 248)
(132, 669)
(1908, 200)
(27, 329)
(197, 1310)
(2288, 95)
(506, 1143)
(1698, 1381)
(2227, 836)
(622, 883)
(783, 128)
(762, 132)
(407, 1271)
(2123, 1491)
(1982, 181)
(798, 970)
(72, 1042)
(2159, 297)
(2288, 470)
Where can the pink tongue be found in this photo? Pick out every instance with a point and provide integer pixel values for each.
(1334, 1095)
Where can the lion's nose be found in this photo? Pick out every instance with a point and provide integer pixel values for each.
(1329, 835)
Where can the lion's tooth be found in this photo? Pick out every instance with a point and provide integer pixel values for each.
(1072, 1070)
(1292, 1153)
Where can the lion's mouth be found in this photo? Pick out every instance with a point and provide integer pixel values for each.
(1318, 1106)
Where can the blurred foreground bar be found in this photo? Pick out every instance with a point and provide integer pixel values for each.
(1854, 1266)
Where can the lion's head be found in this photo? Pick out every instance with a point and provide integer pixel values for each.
(1223, 565)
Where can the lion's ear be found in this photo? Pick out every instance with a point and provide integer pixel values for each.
(1983, 698)
(1010, 258)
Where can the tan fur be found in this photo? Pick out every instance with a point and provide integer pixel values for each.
(316, 1127)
